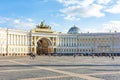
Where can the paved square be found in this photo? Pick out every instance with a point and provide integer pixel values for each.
(59, 68)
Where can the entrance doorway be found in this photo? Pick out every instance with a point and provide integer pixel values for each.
(44, 47)
(104, 54)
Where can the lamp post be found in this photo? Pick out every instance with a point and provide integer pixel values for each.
(77, 44)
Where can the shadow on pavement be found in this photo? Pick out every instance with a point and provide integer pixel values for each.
(57, 65)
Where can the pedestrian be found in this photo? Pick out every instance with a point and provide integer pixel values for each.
(109, 55)
(92, 55)
(74, 55)
(113, 57)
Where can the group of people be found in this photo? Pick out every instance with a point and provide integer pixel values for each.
(32, 55)
(110, 56)
(93, 55)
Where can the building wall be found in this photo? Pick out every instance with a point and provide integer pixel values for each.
(89, 43)
(19, 42)
(3, 41)
(14, 42)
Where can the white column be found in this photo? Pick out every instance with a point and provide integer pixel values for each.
(25, 40)
(12, 39)
(20, 39)
(9, 39)
(53, 40)
(17, 39)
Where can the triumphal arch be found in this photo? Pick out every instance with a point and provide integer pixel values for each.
(43, 40)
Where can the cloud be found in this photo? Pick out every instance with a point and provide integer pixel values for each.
(93, 10)
(68, 2)
(56, 26)
(115, 9)
(75, 9)
(24, 25)
(30, 20)
(76, 2)
(17, 23)
(86, 3)
(110, 26)
(3, 20)
(69, 17)
(75, 12)
(103, 1)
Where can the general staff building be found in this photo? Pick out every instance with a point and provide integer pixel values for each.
(43, 41)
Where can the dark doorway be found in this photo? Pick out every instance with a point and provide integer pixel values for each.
(44, 47)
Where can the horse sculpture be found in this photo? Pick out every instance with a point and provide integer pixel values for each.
(32, 55)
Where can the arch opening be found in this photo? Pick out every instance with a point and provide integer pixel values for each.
(44, 47)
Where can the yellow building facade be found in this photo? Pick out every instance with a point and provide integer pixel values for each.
(42, 40)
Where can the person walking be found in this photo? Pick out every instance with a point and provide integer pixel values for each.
(112, 57)
(92, 55)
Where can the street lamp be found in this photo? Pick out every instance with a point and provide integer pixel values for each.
(77, 43)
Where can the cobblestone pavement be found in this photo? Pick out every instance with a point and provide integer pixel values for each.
(59, 68)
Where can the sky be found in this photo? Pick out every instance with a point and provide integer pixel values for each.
(61, 15)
